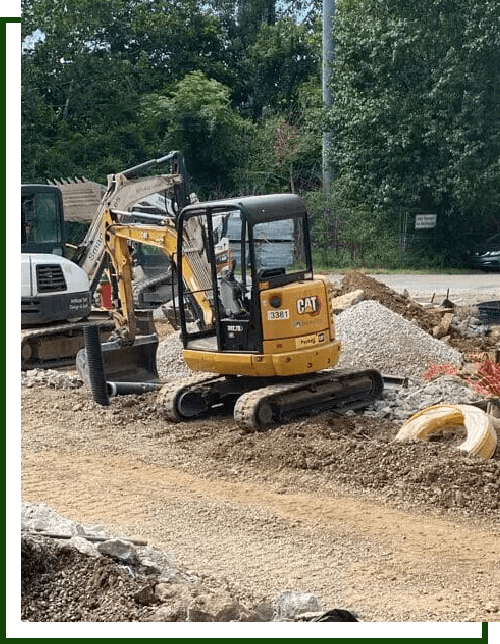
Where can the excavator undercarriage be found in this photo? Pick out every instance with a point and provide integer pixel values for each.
(53, 346)
(259, 403)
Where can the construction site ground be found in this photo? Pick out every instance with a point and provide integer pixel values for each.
(327, 505)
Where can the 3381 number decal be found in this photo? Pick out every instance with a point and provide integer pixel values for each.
(282, 314)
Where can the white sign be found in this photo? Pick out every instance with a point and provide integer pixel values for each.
(425, 221)
(282, 314)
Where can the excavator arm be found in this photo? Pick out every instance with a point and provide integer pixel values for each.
(130, 356)
(116, 245)
(125, 189)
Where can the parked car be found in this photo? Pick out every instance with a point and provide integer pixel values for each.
(486, 256)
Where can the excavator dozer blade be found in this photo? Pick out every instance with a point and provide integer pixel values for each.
(124, 362)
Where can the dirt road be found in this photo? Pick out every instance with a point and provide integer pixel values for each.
(462, 289)
(249, 509)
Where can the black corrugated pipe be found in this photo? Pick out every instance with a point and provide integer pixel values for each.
(95, 364)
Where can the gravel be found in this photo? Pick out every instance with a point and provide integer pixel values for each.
(76, 580)
(169, 358)
(400, 404)
(374, 336)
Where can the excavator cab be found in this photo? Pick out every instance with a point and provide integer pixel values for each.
(266, 314)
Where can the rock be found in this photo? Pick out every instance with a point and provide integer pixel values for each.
(261, 613)
(441, 330)
(148, 567)
(216, 607)
(197, 614)
(405, 402)
(165, 591)
(119, 549)
(168, 614)
(83, 545)
(349, 299)
(291, 603)
(146, 596)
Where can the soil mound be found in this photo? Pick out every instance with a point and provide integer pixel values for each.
(411, 310)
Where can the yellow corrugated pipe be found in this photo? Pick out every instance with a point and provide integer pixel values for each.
(481, 434)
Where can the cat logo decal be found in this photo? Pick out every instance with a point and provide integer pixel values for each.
(311, 305)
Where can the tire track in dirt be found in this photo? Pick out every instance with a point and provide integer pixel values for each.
(342, 549)
(121, 477)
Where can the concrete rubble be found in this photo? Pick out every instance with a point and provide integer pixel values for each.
(149, 587)
(400, 404)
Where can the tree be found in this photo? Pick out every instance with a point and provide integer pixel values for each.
(252, 14)
(84, 81)
(283, 56)
(196, 117)
(415, 120)
(108, 85)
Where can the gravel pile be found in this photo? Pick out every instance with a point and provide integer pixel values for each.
(374, 336)
(465, 332)
(61, 584)
(52, 379)
(400, 404)
(169, 358)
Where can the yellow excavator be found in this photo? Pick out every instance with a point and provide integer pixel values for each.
(262, 330)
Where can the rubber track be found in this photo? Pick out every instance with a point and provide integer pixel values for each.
(141, 287)
(245, 409)
(247, 404)
(27, 335)
(167, 397)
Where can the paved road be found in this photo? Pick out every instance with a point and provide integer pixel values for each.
(478, 286)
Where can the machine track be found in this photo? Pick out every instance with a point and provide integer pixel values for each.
(172, 394)
(336, 389)
(261, 403)
(56, 345)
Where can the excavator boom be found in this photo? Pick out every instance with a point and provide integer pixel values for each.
(55, 338)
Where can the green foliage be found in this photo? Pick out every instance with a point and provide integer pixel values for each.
(283, 56)
(236, 85)
(416, 119)
(84, 82)
(346, 232)
(196, 118)
(283, 156)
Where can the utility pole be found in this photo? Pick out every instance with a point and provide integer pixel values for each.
(328, 54)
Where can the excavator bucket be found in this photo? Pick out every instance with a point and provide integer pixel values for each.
(121, 362)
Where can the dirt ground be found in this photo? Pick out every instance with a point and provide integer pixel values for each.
(327, 505)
